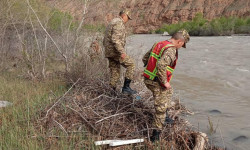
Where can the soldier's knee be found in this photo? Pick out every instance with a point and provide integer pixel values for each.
(160, 110)
(130, 61)
(131, 68)
(133, 65)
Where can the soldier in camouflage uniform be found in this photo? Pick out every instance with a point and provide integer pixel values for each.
(114, 43)
(160, 86)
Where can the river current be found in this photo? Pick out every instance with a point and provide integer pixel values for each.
(212, 78)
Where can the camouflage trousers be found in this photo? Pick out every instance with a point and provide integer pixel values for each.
(115, 67)
(162, 100)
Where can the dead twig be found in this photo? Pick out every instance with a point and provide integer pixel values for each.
(84, 119)
(60, 126)
(184, 142)
(60, 98)
(112, 116)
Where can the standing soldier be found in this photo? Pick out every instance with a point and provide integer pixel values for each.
(114, 43)
(160, 63)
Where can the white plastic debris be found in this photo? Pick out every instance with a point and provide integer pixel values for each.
(5, 104)
(165, 34)
(119, 142)
(125, 142)
(105, 142)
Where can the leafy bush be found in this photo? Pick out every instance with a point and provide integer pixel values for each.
(60, 20)
(200, 26)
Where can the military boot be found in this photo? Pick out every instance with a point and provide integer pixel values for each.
(155, 136)
(168, 120)
(126, 87)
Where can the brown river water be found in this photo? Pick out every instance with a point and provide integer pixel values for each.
(212, 78)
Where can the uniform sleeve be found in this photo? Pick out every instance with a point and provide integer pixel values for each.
(167, 59)
(118, 38)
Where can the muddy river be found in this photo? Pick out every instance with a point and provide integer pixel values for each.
(212, 78)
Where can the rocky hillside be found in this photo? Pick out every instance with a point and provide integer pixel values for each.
(148, 15)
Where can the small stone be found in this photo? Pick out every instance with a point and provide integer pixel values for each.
(215, 111)
(241, 138)
(165, 34)
(4, 103)
(138, 97)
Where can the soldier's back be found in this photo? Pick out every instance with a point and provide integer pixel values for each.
(110, 50)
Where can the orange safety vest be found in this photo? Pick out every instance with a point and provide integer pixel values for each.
(150, 71)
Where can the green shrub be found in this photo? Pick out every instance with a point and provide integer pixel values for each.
(200, 26)
(60, 20)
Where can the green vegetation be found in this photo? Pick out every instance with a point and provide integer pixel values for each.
(27, 52)
(54, 19)
(28, 98)
(18, 11)
(60, 20)
(200, 26)
(20, 123)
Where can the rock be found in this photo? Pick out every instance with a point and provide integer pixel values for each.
(149, 15)
(165, 34)
(5, 104)
(246, 128)
(200, 141)
(138, 97)
(241, 138)
(215, 111)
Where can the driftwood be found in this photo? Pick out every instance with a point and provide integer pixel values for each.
(200, 141)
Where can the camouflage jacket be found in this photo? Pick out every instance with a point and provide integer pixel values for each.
(115, 38)
(167, 59)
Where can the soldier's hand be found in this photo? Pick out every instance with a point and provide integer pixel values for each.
(123, 55)
(167, 85)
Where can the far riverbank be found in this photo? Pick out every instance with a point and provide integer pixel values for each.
(199, 26)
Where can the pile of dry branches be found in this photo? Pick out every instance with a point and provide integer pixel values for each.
(92, 107)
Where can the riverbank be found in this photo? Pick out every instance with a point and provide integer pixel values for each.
(50, 114)
(200, 26)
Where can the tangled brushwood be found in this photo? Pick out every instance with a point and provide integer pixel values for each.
(93, 110)
(92, 107)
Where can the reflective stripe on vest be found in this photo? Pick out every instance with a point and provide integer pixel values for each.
(150, 71)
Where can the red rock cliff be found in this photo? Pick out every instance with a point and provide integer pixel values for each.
(150, 14)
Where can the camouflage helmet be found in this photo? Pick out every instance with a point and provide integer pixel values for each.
(185, 35)
(127, 12)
